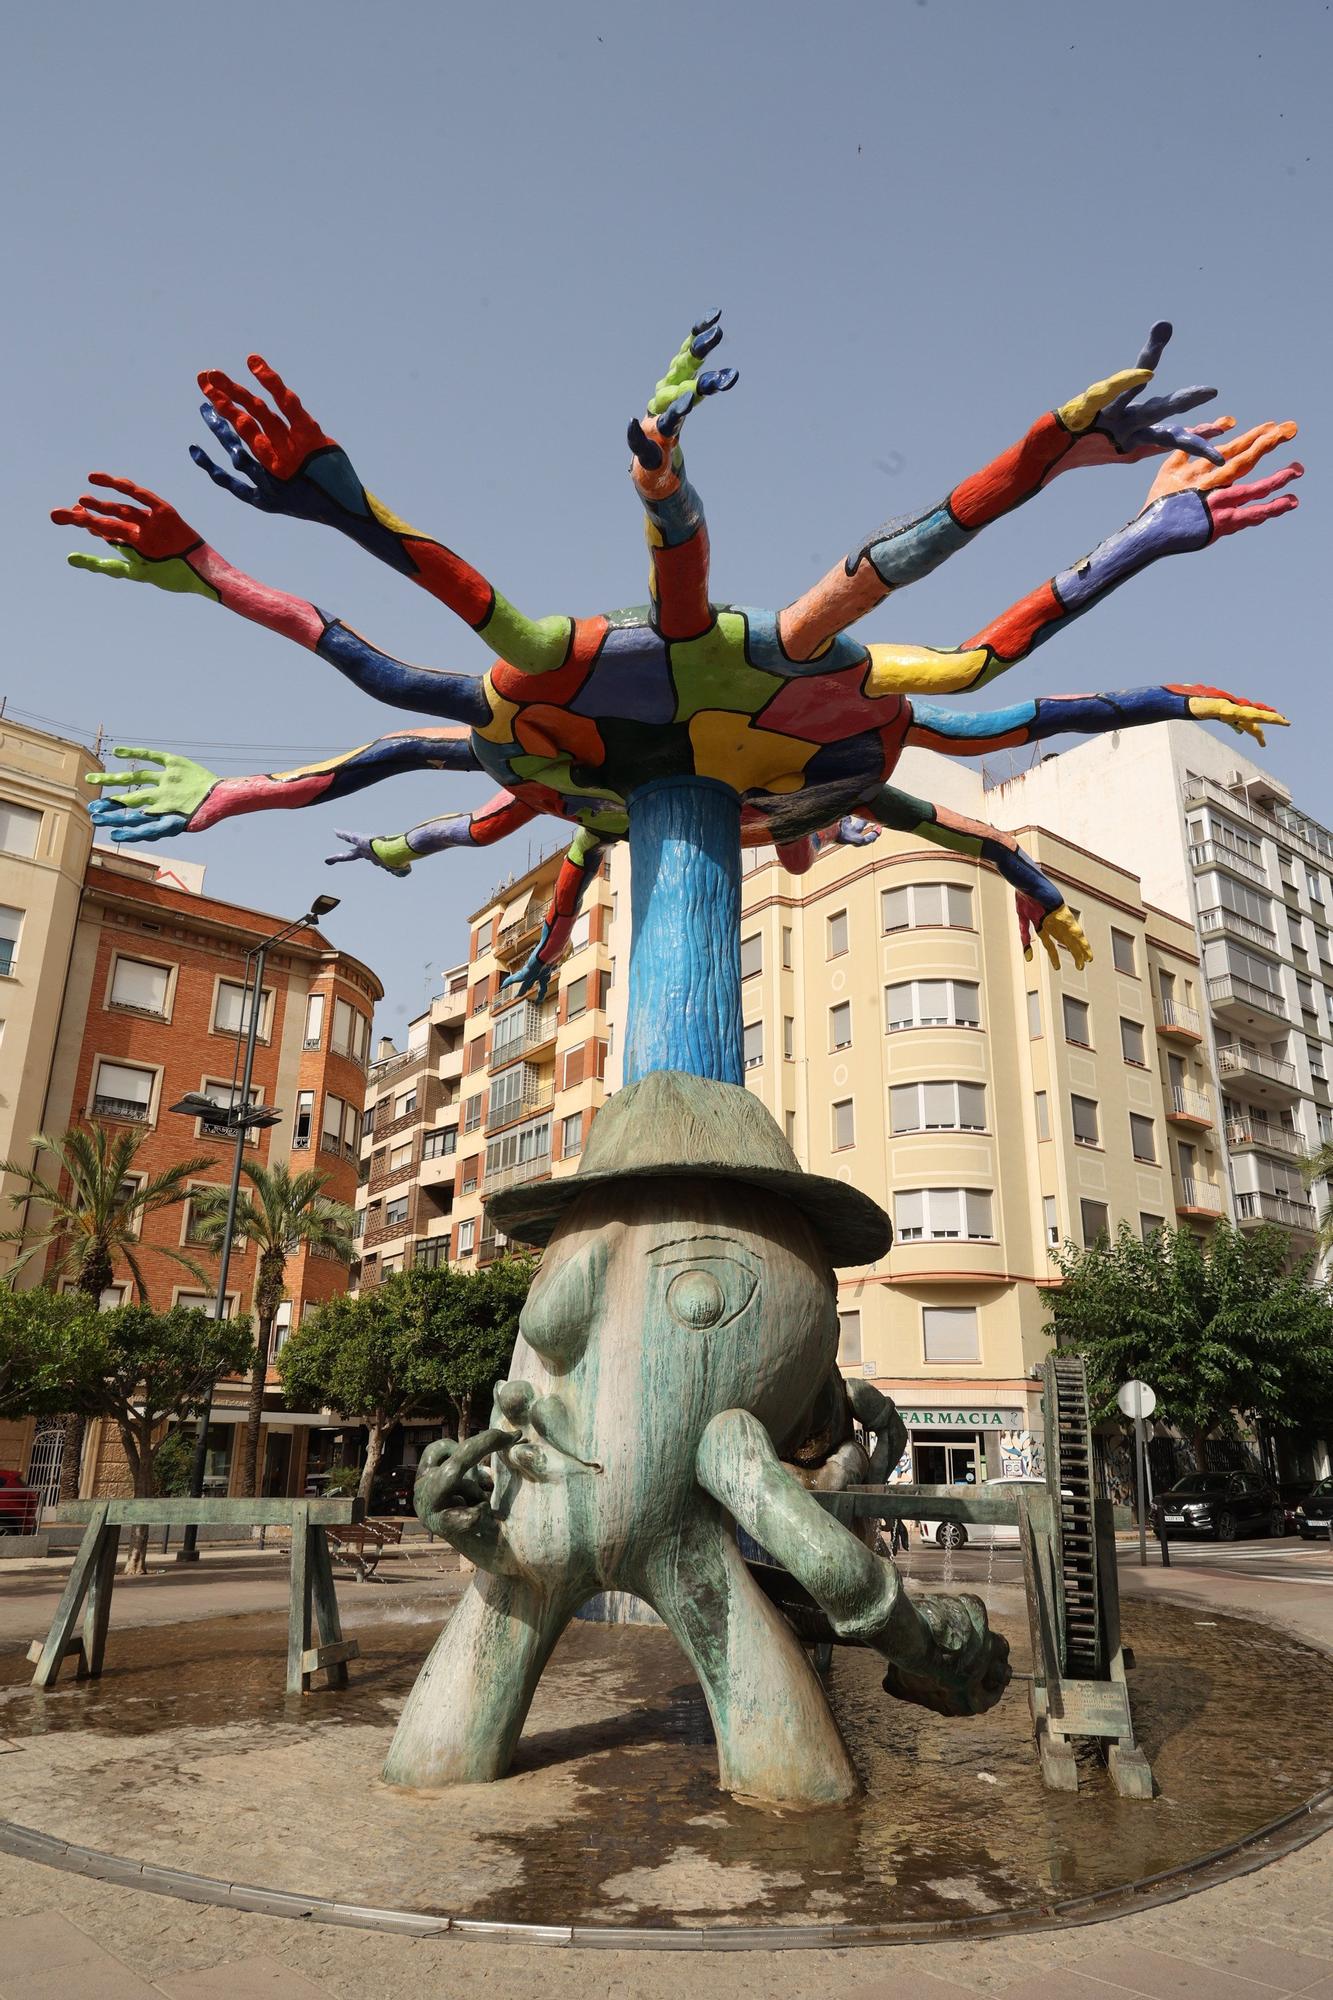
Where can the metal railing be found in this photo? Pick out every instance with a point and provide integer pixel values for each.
(1232, 990)
(537, 1169)
(1220, 918)
(1183, 1103)
(1218, 854)
(1232, 1060)
(536, 1096)
(1200, 1194)
(1170, 1014)
(1258, 1132)
(1258, 1205)
(120, 1107)
(1308, 835)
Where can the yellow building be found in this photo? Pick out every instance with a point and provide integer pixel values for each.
(994, 1106)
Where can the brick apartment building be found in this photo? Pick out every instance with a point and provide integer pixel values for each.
(132, 994)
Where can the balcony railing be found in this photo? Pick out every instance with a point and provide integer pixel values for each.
(120, 1107)
(1260, 1206)
(1232, 991)
(397, 1065)
(1219, 919)
(519, 936)
(1232, 1060)
(1192, 1104)
(1313, 840)
(1217, 854)
(1200, 1195)
(1258, 1132)
(538, 1029)
(522, 1170)
(536, 1096)
(1173, 1019)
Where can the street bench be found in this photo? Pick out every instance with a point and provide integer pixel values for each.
(359, 1545)
(312, 1598)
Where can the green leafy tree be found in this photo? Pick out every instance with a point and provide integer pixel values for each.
(278, 1212)
(1220, 1329)
(1318, 1166)
(470, 1320)
(48, 1350)
(92, 1208)
(148, 1367)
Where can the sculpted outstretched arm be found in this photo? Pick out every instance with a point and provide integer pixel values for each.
(396, 852)
(674, 527)
(285, 463)
(576, 872)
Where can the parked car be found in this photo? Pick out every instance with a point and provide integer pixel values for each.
(18, 1505)
(1220, 1504)
(1316, 1510)
(979, 1534)
(1291, 1492)
(391, 1490)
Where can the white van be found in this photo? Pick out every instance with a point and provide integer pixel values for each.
(982, 1535)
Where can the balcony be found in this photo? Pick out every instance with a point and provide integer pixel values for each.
(397, 1066)
(1238, 1003)
(536, 1095)
(1243, 1133)
(439, 1171)
(1173, 1019)
(538, 1169)
(451, 1065)
(517, 939)
(386, 1231)
(1307, 836)
(1198, 1198)
(537, 1032)
(383, 1177)
(1258, 1206)
(1222, 922)
(1252, 1074)
(1206, 854)
(1188, 1107)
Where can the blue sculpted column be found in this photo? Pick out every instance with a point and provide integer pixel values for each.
(685, 955)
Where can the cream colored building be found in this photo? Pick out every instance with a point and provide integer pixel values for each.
(994, 1106)
(45, 842)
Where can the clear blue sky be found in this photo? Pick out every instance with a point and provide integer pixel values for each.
(472, 236)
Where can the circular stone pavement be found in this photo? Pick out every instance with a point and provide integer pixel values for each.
(188, 1755)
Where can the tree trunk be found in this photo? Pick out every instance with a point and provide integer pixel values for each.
(139, 1452)
(254, 1415)
(464, 1407)
(374, 1453)
(97, 1273)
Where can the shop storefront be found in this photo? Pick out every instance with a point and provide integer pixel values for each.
(963, 1444)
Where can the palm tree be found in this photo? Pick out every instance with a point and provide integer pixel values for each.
(282, 1211)
(1318, 1166)
(95, 1209)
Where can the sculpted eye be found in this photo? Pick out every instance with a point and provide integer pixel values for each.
(703, 1297)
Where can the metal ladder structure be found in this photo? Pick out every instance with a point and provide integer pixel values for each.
(1069, 1480)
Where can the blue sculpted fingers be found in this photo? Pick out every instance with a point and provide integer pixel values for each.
(133, 823)
(1154, 347)
(705, 337)
(255, 487)
(1135, 426)
(534, 977)
(706, 325)
(648, 454)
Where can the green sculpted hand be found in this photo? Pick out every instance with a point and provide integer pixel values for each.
(127, 564)
(152, 804)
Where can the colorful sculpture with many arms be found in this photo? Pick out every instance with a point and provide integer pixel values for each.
(682, 1332)
(801, 720)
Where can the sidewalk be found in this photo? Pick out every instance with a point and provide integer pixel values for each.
(1257, 1937)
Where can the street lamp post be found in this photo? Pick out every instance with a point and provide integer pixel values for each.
(240, 1117)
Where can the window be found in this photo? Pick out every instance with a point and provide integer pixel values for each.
(395, 1212)
(140, 987)
(840, 1025)
(470, 1174)
(580, 933)
(1315, 884)
(932, 1003)
(122, 1091)
(314, 1020)
(950, 1333)
(1149, 1225)
(480, 997)
(786, 947)
(844, 1125)
(752, 1044)
(367, 1121)
(1095, 1219)
(1132, 1044)
(576, 998)
(1316, 1056)
(400, 1157)
(474, 1055)
(789, 1127)
(935, 1215)
(1050, 1220)
(1078, 1021)
(524, 1145)
(206, 1302)
(195, 1231)
(752, 955)
(18, 830)
(922, 904)
(506, 1099)
(1305, 989)
(1322, 945)
(485, 933)
(836, 935)
(405, 1103)
(231, 1010)
(305, 1111)
(788, 1038)
(1141, 1139)
(574, 1065)
(1085, 1121)
(439, 1145)
(1034, 1017)
(343, 1018)
(350, 1143)
(849, 1339)
(11, 923)
(282, 1326)
(571, 1135)
(467, 1236)
(937, 1107)
(432, 1254)
(331, 1130)
(1122, 953)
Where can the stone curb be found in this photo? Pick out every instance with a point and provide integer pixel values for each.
(1300, 1826)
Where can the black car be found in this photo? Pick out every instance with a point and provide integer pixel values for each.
(1221, 1504)
(1292, 1492)
(391, 1490)
(1316, 1510)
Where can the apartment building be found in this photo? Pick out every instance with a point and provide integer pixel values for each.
(493, 1087)
(136, 998)
(996, 1107)
(1218, 841)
